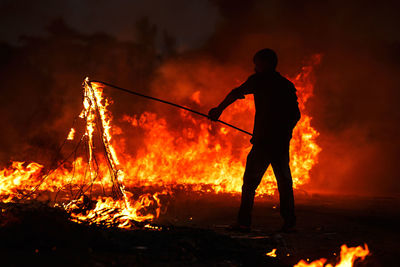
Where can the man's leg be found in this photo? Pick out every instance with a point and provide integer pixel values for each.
(256, 165)
(280, 165)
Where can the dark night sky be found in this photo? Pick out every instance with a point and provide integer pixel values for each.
(355, 107)
(191, 21)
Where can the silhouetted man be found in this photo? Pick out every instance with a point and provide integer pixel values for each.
(277, 113)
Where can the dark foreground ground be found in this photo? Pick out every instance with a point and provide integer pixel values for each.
(194, 235)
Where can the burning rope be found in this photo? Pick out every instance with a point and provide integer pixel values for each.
(167, 102)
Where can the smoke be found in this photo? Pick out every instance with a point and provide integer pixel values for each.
(208, 45)
(355, 103)
(190, 21)
(40, 90)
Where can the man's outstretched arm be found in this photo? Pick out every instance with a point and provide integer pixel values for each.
(235, 94)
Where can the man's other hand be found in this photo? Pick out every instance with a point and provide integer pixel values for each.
(214, 114)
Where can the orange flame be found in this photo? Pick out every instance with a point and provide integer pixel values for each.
(71, 134)
(347, 257)
(203, 156)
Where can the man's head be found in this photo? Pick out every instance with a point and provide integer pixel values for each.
(265, 60)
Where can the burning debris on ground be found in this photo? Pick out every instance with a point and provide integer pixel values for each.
(36, 234)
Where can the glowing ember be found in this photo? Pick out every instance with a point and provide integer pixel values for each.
(347, 257)
(272, 253)
(202, 156)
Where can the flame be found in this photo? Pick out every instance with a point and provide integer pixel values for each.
(17, 177)
(95, 187)
(71, 134)
(348, 255)
(120, 213)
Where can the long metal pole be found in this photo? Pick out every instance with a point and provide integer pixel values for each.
(167, 102)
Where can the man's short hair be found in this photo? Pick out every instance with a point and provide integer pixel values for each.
(266, 55)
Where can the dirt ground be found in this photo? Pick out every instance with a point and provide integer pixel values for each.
(325, 222)
(194, 234)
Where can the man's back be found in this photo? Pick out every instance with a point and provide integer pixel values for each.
(276, 103)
